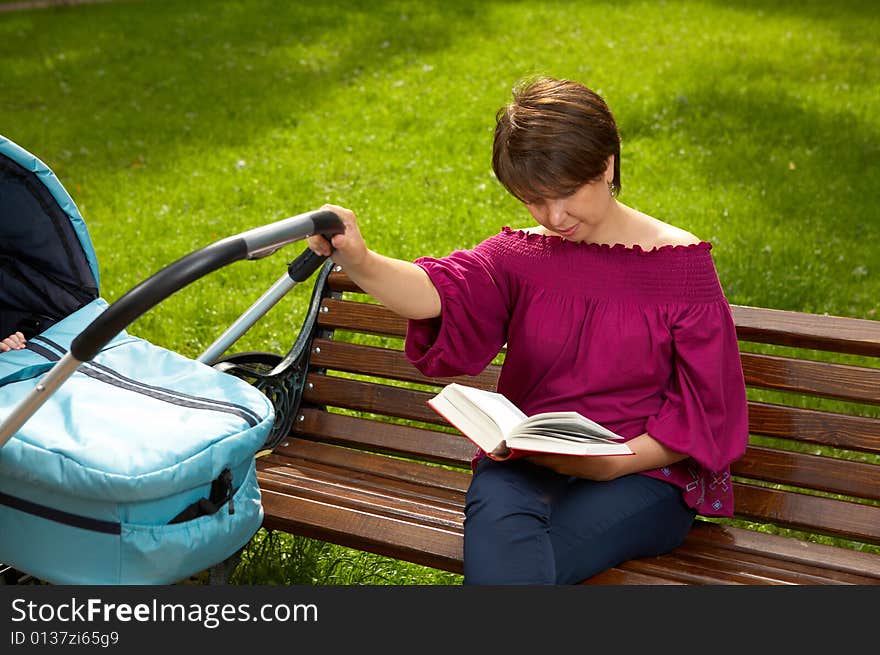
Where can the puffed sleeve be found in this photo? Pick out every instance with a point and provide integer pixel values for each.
(472, 326)
(704, 413)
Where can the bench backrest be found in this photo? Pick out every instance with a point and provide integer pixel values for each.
(813, 464)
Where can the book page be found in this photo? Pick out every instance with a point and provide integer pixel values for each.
(494, 405)
(569, 423)
(484, 433)
(544, 444)
(561, 432)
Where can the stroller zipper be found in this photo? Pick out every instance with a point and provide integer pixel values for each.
(111, 377)
(221, 493)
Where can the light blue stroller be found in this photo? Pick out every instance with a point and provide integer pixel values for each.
(121, 462)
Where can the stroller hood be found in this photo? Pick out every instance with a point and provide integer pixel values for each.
(48, 267)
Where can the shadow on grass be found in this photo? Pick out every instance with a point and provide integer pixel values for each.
(848, 17)
(852, 19)
(199, 75)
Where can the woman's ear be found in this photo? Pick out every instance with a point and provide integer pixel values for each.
(609, 169)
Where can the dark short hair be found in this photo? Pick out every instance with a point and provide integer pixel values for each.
(554, 137)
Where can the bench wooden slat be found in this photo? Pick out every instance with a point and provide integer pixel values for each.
(848, 478)
(370, 498)
(811, 563)
(370, 493)
(794, 469)
(736, 539)
(295, 471)
(680, 567)
(338, 281)
(699, 561)
(441, 447)
(388, 363)
(360, 317)
(729, 571)
(815, 426)
(839, 381)
(617, 576)
(807, 512)
(767, 567)
(796, 510)
(370, 397)
(835, 333)
(766, 419)
(682, 574)
(348, 459)
(683, 567)
(428, 546)
(447, 482)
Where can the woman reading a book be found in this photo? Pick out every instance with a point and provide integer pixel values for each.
(606, 311)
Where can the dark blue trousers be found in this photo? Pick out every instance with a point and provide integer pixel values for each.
(525, 524)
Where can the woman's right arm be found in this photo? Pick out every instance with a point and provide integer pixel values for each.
(401, 286)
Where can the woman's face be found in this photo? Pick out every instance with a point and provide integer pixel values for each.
(574, 217)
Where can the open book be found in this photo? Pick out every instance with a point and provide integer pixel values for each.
(503, 431)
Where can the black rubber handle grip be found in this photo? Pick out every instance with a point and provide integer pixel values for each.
(326, 224)
(301, 268)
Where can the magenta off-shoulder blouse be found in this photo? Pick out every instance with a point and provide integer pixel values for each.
(638, 340)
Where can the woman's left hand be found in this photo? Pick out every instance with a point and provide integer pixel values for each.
(593, 467)
(648, 453)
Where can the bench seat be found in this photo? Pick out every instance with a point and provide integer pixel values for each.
(412, 511)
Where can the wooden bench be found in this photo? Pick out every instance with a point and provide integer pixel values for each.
(361, 460)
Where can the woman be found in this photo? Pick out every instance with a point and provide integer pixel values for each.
(606, 311)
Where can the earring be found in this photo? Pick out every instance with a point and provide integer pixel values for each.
(610, 188)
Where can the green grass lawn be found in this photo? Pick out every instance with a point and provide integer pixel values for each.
(755, 125)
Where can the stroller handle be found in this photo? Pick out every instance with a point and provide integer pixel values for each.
(253, 244)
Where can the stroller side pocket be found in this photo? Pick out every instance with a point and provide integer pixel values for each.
(159, 554)
(71, 546)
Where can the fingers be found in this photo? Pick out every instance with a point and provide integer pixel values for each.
(15, 341)
(320, 245)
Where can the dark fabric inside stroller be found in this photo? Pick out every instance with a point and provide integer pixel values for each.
(47, 268)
